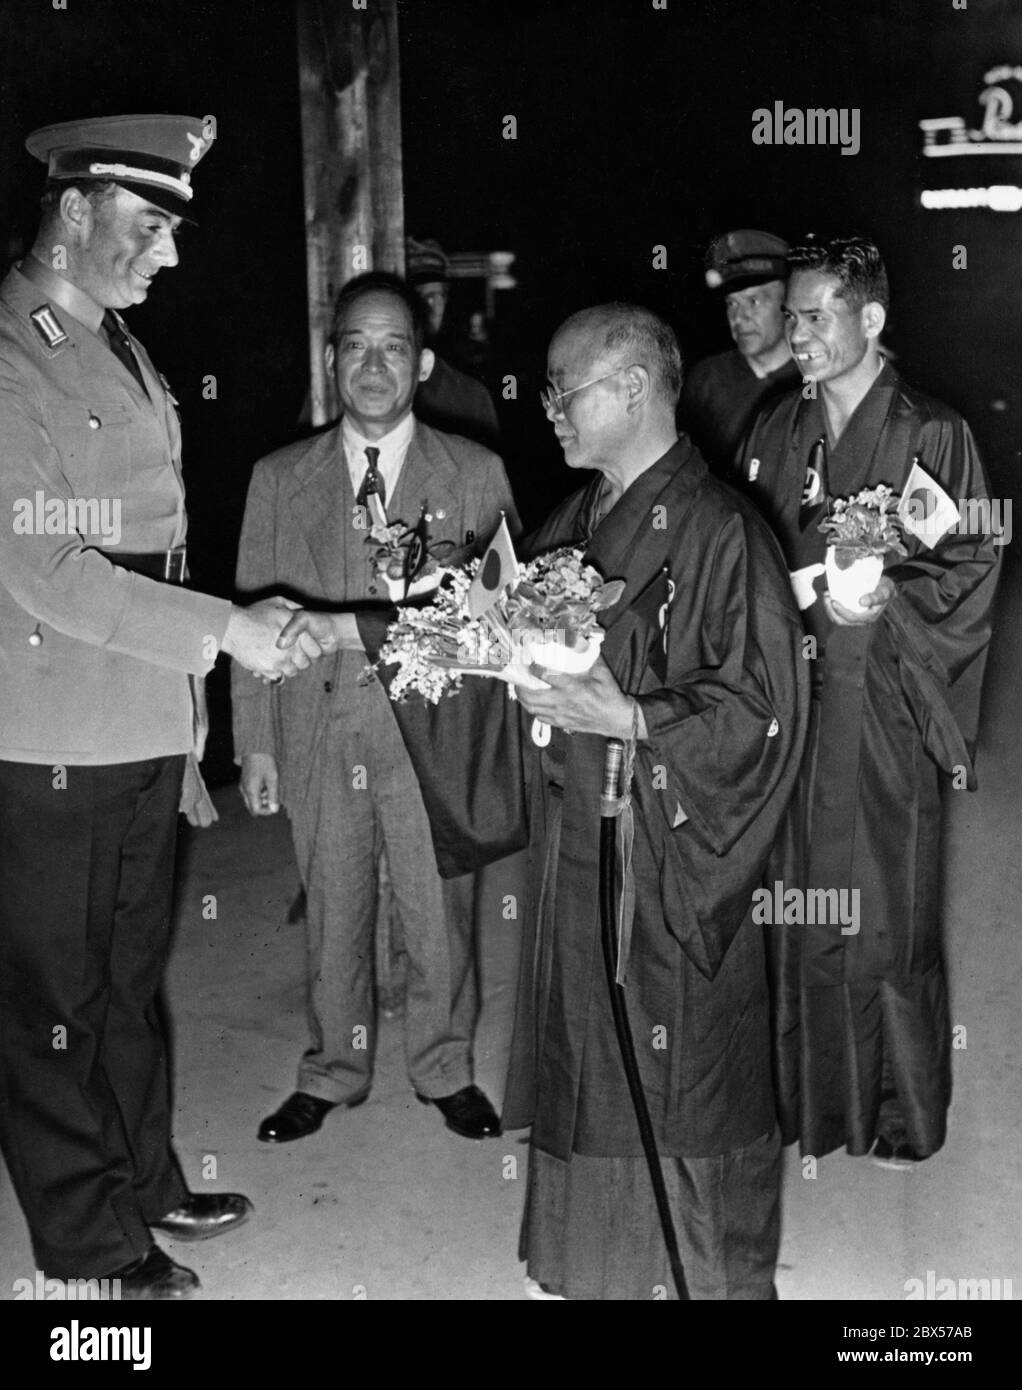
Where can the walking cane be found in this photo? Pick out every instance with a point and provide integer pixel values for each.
(610, 805)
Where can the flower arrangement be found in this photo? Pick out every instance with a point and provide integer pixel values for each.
(405, 558)
(548, 615)
(866, 524)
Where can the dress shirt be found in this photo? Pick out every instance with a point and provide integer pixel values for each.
(393, 448)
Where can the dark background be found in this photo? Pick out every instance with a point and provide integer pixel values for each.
(633, 130)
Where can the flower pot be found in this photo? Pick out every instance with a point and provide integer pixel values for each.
(557, 657)
(850, 576)
(532, 648)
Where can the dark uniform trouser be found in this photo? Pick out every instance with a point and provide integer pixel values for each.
(86, 879)
(363, 796)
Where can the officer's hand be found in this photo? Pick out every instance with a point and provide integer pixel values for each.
(251, 638)
(874, 602)
(260, 784)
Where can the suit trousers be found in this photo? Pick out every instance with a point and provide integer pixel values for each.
(363, 798)
(86, 882)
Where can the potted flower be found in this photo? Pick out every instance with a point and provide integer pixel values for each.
(552, 611)
(860, 531)
(405, 558)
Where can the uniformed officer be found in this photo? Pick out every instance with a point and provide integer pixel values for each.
(722, 394)
(449, 399)
(98, 642)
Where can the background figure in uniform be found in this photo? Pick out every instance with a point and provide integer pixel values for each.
(97, 644)
(702, 665)
(449, 399)
(721, 394)
(329, 748)
(863, 1033)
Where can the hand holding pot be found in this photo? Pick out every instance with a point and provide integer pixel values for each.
(872, 604)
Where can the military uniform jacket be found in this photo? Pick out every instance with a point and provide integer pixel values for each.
(80, 445)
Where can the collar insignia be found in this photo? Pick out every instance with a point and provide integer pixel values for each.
(47, 325)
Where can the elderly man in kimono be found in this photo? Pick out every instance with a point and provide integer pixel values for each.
(702, 666)
(863, 1032)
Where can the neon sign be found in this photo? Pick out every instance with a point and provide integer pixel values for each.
(946, 137)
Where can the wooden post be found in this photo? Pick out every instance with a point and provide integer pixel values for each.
(351, 142)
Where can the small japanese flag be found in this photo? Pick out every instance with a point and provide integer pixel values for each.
(925, 509)
(498, 569)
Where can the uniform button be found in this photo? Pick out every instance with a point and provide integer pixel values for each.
(328, 687)
(95, 423)
(35, 637)
(372, 588)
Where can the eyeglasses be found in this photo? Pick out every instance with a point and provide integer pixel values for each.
(553, 401)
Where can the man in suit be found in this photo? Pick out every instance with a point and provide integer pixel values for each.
(98, 643)
(328, 747)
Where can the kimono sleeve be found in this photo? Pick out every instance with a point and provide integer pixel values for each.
(725, 738)
(940, 616)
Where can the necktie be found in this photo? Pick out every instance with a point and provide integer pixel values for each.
(814, 490)
(373, 492)
(120, 346)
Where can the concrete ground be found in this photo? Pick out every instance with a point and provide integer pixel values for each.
(385, 1203)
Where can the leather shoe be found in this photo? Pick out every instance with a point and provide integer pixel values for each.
(301, 1114)
(155, 1276)
(205, 1214)
(467, 1113)
(895, 1155)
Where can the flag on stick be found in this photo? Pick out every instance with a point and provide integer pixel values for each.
(925, 509)
(497, 570)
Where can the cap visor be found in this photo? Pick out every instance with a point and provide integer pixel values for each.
(161, 198)
(746, 282)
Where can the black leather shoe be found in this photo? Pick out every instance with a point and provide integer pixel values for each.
(467, 1112)
(301, 1114)
(205, 1214)
(895, 1155)
(155, 1276)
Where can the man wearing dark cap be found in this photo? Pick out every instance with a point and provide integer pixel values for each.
(722, 394)
(99, 642)
(449, 399)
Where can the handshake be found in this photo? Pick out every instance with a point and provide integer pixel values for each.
(276, 637)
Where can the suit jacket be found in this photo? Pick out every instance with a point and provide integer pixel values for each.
(109, 681)
(299, 500)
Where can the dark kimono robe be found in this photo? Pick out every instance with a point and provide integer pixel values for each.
(862, 1027)
(723, 687)
(719, 401)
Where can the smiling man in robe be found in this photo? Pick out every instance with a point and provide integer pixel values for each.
(863, 1030)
